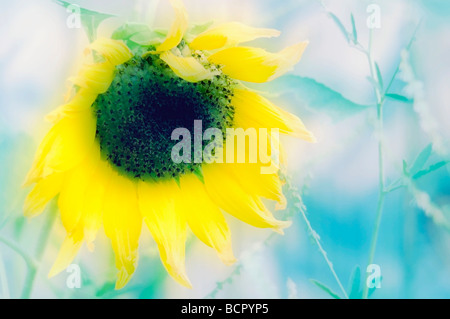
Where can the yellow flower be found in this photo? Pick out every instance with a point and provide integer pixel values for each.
(108, 155)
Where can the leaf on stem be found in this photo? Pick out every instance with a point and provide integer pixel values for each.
(355, 33)
(421, 159)
(354, 289)
(317, 97)
(417, 169)
(400, 98)
(340, 25)
(430, 169)
(379, 76)
(325, 288)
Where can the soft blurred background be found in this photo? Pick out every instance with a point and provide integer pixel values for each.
(331, 89)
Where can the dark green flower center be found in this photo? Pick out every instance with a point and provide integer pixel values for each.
(145, 103)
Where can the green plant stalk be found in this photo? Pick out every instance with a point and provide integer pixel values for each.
(29, 261)
(324, 253)
(46, 230)
(3, 279)
(373, 245)
(381, 94)
(299, 205)
(381, 182)
(381, 98)
(28, 284)
(40, 248)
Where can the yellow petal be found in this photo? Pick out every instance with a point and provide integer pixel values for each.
(81, 102)
(253, 181)
(93, 202)
(65, 145)
(178, 28)
(253, 110)
(205, 218)
(73, 193)
(187, 68)
(42, 193)
(226, 192)
(71, 198)
(74, 138)
(158, 204)
(230, 34)
(95, 77)
(44, 148)
(69, 249)
(122, 223)
(257, 65)
(116, 52)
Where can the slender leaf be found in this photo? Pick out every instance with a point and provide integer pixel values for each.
(355, 291)
(340, 25)
(325, 288)
(400, 98)
(430, 169)
(317, 97)
(406, 172)
(421, 159)
(355, 33)
(379, 76)
(416, 171)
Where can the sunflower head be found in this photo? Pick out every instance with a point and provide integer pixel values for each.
(109, 157)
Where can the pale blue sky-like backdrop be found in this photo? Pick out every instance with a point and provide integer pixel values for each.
(331, 89)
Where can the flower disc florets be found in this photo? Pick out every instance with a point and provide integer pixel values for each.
(145, 103)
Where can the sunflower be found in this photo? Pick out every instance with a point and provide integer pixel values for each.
(107, 157)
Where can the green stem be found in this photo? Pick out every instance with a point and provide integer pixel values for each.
(381, 196)
(40, 249)
(381, 97)
(394, 188)
(381, 182)
(3, 279)
(323, 252)
(373, 245)
(30, 262)
(29, 281)
(46, 230)
(296, 196)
